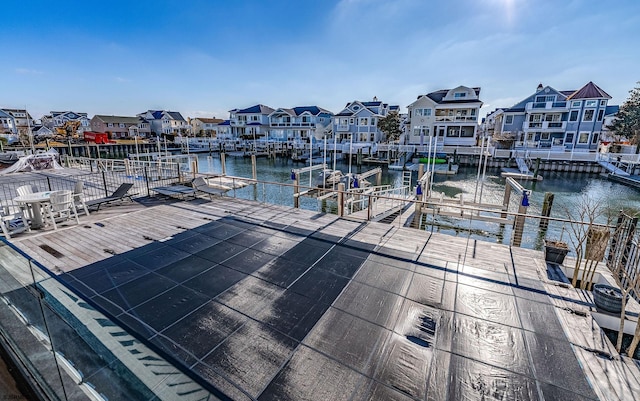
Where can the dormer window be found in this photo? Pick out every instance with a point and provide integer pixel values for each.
(459, 95)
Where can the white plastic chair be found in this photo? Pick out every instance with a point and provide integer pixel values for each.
(24, 190)
(61, 206)
(12, 221)
(78, 197)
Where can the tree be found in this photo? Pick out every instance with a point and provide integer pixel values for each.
(627, 121)
(390, 126)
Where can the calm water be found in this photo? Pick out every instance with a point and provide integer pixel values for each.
(568, 188)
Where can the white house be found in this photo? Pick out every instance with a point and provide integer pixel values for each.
(250, 123)
(298, 123)
(166, 122)
(358, 121)
(449, 114)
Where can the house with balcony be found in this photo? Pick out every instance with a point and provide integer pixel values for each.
(451, 115)
(20, 119)
(358, 121)
(558, 120)
(205, 127)
(164, 122)
(299, 124)
(250, 123)
(119, 127)
(7, 123)
(59, 121)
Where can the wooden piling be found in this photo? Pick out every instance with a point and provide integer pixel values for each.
(546, 209)
(254, 172)
(223, 163)
(296, 192)
(341, 189)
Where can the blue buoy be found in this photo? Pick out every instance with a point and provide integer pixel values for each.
(293, 175)
(355, 182)
(525, 198)
(419, 189)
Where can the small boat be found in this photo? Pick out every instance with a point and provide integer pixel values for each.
(329, 178)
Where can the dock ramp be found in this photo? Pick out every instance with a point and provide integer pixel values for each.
(612, 168)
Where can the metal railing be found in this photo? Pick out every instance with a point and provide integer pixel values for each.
(72, 351)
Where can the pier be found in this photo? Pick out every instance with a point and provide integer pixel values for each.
(298, 294)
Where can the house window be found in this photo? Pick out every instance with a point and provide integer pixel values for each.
(600, 114)
(351, 121)
(575, 103)
(530, 136)
(373, 122)
(569, 137)
(121, 125)
(549, 98)
(583, 138)
(595, 137)
(110, 125)
(459, 95)
(552, 117)
(591, 103)
(573, 116)
(423, 112)
(603, 103)
(588, 115)
(453, 132)
(364, 121)
(508, 120)
(545, 136)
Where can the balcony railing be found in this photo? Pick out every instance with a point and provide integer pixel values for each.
(545, 125)
(547, 106)
(457, 119)
(343, 127)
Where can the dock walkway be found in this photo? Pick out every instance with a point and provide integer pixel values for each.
(295, 304)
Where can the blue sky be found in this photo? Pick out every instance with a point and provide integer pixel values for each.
(205, 57)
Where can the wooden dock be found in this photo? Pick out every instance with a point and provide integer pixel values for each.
(469, 267)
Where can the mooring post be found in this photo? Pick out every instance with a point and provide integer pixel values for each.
(546, 209)
(223, 163)
(420, 171)
(505, 201)
(296, 191)
(341, 188)
(253, 167)
(379, 178)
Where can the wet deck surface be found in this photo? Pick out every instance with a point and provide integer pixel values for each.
(271, 303)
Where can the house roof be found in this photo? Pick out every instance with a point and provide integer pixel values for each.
(209, 120)
(157, 114)
(225, 122)
(315, 110)
(257, 109)
(175, 115)
(371, 104)
(590, 91)
(609, 110)
(438, 95)
(118, 119)
(344, 113)
(13, 111)
(394, 107)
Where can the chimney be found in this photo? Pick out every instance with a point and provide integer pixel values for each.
(539, 87)
(375, 98)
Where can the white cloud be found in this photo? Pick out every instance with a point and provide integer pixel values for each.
(28, 71)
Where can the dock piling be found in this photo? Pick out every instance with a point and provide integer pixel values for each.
(546, 209)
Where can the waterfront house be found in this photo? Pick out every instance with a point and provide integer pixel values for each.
(359, 121)
(41, 132)
(7, 123)
(164, 122)
(207, 127)
(59, 121)
(224, 130)
(609, 115)
(299, 123)
(250, 123)
(449, 114)
(558, 120)
(20, 119)
(119, 127)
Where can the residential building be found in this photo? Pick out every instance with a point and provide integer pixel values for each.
(207, 127)
(164, 122)
(7, 123)
(63, 121)
(559, 120)
(358, 121)
(21, 120)
(299, 123)
(224, 130)
(41, 132)
(119, 127)
(609, 115)
(250, 123)
(450, 115)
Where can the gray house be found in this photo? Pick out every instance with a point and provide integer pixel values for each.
(558, 120)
